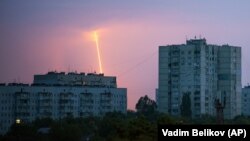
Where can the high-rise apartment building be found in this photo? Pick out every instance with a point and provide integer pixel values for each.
(245, 101)
(58, 95)
(205, 72)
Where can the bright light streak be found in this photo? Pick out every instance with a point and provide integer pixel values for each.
(98, 50)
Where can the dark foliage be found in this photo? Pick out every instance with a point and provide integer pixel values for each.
(186, 106)
(146, 105)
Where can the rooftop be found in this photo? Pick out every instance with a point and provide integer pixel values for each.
(196, 41)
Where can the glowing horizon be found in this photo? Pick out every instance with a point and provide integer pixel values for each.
(98, 51)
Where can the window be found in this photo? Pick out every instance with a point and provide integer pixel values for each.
(197, 98)
(196, 104)
(223, 76)
(196, 52)
(175, 64)
(197, 93)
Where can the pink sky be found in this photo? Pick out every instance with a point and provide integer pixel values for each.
(41, 36)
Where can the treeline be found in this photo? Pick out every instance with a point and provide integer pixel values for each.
(112, 127)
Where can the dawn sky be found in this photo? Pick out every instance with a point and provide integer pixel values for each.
(41, 36)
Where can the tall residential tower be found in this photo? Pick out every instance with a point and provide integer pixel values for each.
(205, 72)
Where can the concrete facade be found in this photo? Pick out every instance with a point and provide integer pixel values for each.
(206, 72)
(52, 100)
(245, 101)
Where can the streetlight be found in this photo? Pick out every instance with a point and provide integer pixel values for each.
(18, 121)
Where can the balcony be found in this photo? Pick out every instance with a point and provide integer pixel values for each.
(66, 95)
(46, 113)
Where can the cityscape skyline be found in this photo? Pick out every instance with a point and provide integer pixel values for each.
(38, 36)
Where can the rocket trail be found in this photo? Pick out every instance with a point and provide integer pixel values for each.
(98, 51)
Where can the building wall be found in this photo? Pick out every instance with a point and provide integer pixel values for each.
(195, 68)
(229, 79)
(163, 100)
(245, 101)
(30, 102)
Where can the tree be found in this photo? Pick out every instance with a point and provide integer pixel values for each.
(146, 105)
(113, 126)
(186, 105)
(22, 131)
(241, 120)
(65, 132)
(142, 129)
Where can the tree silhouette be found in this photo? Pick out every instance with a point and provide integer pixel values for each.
(186, 105)
(146, 105)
